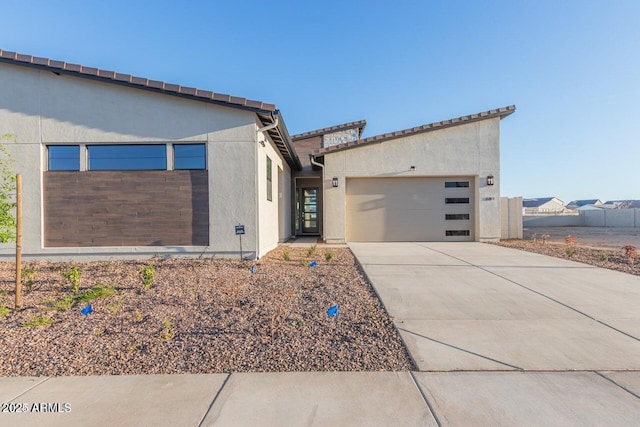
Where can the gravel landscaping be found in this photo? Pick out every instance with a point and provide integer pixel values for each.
(197, 316)
(606, 257)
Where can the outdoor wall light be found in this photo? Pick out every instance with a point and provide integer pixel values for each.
(412, 168)
(490, 180)
(334, 182)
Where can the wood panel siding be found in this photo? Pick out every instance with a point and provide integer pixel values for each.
(126, 208)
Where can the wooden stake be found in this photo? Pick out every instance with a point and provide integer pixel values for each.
(18, 303)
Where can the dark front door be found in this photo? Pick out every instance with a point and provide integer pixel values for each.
(309, 211)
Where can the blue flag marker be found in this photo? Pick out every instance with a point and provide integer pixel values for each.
(332, 311)
(87, 310)
(312, 264)
(253, 269)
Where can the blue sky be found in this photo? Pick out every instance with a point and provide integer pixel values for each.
(572, 68)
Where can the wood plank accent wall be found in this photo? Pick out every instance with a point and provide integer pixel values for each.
(126, 208)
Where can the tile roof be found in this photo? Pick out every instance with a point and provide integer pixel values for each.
(499, 112)
(359, 124)
(133, 81)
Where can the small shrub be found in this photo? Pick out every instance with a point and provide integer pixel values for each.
(28, 274)
(312, 250)
(328, 256)
(70, 301)
(286, 255)
(63, 304)
(168, 332)
(631, 252)
(115, 307)
(148, 276)
(4, 311)
(571, 242)
(73, 277)
(604, 257)
(37, 321)
(304, 262)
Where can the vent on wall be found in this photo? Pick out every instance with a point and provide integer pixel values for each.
(457, 233)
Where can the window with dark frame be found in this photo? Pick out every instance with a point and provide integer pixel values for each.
(189, 156)
(269, 181)
(127, 157)
(63, 157)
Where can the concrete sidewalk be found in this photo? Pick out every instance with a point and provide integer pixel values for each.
(501, 337)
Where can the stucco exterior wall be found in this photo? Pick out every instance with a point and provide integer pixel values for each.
(269, 216)
(41, 108)
(464, 150)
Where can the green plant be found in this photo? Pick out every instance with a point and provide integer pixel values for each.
(148, 276)
(571, 242)
(73, 277)
(328, 256)
(604, 257)
(631, 252)
(70, 301)
(7, 192)
(37, 321)
(168, 332)
(312, 250)
(304, 262)
(28, 274)
(286, 255)
(4, 311)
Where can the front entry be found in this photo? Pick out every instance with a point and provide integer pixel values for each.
(307, 211)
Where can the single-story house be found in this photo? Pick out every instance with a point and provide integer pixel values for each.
(575, 204)
(543, 205)
(118, 165)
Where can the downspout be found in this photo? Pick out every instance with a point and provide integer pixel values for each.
(257, 162)
(321, 166)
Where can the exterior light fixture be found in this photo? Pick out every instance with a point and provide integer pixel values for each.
(412, 168)
(334, 182)
(490, 180)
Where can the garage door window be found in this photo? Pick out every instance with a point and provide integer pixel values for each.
(456, 200)
(457, 233)
(450, 217)
(456, 184)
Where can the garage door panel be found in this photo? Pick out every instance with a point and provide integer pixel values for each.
(408, 209)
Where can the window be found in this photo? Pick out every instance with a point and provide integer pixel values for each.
(127, 157)
(456, 216)
(269, 181)
(63, 157)
(457, 233)
(459, 200)
(189, 156)
(456, 184)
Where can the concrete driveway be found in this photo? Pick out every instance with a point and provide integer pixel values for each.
(480, 307)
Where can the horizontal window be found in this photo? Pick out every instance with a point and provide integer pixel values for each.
(455, 184)
(457, 233)
(456, 216)
(452, 200)
(63, 157)
(189, 156)
(127, 157)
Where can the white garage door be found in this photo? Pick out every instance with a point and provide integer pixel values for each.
(410, 209)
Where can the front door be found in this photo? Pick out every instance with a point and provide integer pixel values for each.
(308, 212)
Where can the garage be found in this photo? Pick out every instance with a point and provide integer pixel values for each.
(410, 209)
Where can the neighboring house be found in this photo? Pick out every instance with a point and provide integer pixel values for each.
(575, 204)
(622, 204)
(543, 205)
(114, 164)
